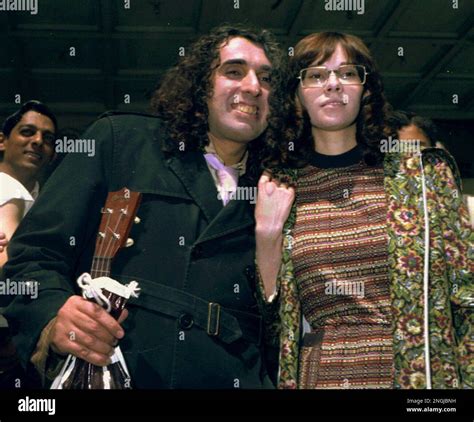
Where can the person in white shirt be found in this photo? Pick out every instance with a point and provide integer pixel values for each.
(26, 148)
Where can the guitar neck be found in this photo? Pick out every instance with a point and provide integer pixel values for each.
(100, 266)
(118, 214)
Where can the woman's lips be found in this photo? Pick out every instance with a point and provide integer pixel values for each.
(333, 104)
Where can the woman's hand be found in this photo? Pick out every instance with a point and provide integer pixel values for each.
(274, 201)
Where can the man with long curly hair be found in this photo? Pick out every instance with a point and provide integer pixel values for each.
(196, 323)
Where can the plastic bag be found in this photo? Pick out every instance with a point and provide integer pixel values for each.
(77, 374)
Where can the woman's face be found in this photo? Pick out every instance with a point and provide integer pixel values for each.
(334, 106)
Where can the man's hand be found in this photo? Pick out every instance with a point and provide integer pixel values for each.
(3, 241)
(86, 330)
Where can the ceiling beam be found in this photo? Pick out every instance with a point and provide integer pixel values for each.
(189, 33)
(305, 9)
(439, 63)
(93, 35)
(391, 16)
(108, 55)
(22, 72)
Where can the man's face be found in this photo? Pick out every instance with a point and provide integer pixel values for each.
(333, 106)
(413, 133)
(238, 109)
(30, 145)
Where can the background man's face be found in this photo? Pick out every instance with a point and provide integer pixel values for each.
(30, 145)
(411, 133)
(238, 109)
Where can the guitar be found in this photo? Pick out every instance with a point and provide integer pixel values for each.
(118, 216)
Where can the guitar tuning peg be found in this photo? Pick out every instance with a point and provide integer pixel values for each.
(137, 220)
(129, 242)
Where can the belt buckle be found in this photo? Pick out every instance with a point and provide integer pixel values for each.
(213, 308)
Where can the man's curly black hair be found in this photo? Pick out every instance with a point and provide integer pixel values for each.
(182, 94)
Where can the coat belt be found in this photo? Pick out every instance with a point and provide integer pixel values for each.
(226, 324)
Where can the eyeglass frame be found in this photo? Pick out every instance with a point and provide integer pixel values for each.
(333, 71)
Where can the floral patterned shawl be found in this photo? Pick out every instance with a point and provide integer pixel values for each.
(451, 287)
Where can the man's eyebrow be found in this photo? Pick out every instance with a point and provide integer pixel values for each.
(234, 61)
(31, 126)
(265, 67)
(244, 62)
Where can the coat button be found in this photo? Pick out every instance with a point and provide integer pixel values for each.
(197, 252)
(250, 272)
(186, 321)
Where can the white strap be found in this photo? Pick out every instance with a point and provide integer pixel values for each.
(91, 291)
(426, 279)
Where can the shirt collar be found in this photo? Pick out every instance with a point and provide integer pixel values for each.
(35, 191)
(241, 166)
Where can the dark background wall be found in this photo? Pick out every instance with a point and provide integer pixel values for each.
(83, 57)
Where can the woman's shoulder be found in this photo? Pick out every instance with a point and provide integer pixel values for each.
(285, 174)
(436, 162)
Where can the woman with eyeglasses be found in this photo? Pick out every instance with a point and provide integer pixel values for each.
(363, 253)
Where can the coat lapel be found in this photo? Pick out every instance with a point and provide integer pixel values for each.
(236, 215)
(191, 169)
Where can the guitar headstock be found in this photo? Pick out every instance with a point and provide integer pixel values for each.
(118, 214)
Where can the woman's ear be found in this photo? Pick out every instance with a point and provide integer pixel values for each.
(365, 94)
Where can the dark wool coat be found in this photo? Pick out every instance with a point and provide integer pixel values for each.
(189, 251)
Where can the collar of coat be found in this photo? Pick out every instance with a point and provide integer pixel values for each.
(191, 170)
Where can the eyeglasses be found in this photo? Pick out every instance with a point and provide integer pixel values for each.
(348, 74)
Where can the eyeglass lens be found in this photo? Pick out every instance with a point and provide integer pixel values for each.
(347, 74)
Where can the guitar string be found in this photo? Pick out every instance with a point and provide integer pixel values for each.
(101, 261)
(105, 261)
(97, 258)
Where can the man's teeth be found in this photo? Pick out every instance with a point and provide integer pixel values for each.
(247, 109)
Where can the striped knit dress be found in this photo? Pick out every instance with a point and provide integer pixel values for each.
(340, 258)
